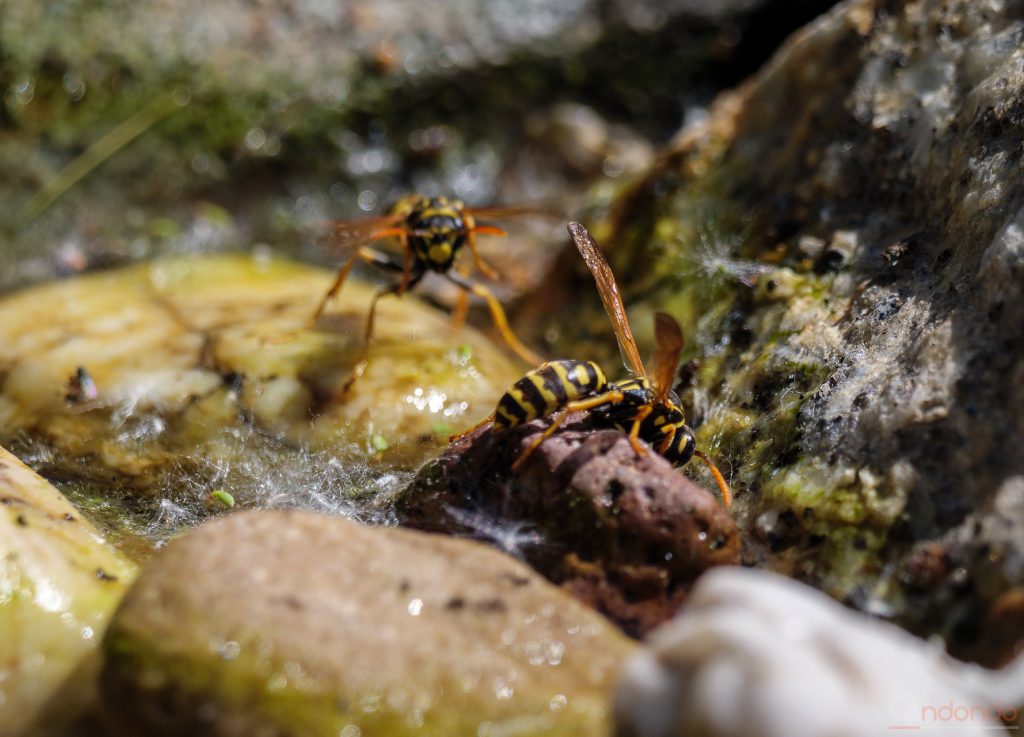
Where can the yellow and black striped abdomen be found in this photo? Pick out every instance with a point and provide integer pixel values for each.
(546, 389)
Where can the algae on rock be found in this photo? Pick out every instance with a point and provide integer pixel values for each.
(207, 376)
(59, 584)
(842, 237)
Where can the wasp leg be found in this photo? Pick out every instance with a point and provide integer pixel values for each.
(339, 281)
(368, 255)
(364, 356)
(578, 406)
(498, 316)
(666, 443)
(471, 230)
(634, 431)
(477, 258)
(719, 478)
(460, 435)
(460, 310)
(403, 287)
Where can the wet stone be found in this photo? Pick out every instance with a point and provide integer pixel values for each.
(178, 364)
(301, 624)
(628, 535)
(59, 584)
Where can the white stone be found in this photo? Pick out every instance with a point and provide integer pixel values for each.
(755, 654)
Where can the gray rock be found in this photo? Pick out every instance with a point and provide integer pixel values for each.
(843, 238)
(290, 623)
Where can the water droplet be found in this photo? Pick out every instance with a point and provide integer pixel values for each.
(181, 96)
(508, 637)
(367, 200)
(447, 57)
(613, 166)
(555, 652)
(255, 139)
(21, 92)
(415, 607)
(87, 633)
(370, 703)
(229, 650)
(413, 64)
(277, 682)
(74, 86)
(558, 702)
(350, 730)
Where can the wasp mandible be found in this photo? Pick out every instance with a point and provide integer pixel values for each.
(433, 232)
(643, 405)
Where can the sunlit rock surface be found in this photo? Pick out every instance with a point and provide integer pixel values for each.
(59, 583)
(192, 357)
(753, 654)
(842, 240)
(625, 534)
(303, 624)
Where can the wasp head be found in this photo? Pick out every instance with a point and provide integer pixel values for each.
(437, 230)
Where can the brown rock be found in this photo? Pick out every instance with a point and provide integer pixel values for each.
(626, 534)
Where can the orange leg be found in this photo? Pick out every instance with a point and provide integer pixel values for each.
(459, 436)
(578, 406)
(460, 310)
(369, 256)
(339, 281)
(477, 258)
(403, 286)
(499, 318)
(634, 431)
(364, 357)
(719, 478)
(664, 444)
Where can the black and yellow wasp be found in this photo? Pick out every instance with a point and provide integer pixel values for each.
(643, 405)
(433, 232)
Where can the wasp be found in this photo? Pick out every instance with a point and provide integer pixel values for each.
(643, 405)
(433, 231)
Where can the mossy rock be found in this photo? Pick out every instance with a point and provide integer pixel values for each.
(841, 240)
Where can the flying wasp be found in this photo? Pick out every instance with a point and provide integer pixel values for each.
(433, 231)
(643, 405)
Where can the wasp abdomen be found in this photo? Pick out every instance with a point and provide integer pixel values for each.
(547, 388)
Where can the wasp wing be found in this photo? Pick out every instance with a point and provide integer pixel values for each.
(610, 297)
(668, 345)
(342, 235)
(510, 212)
